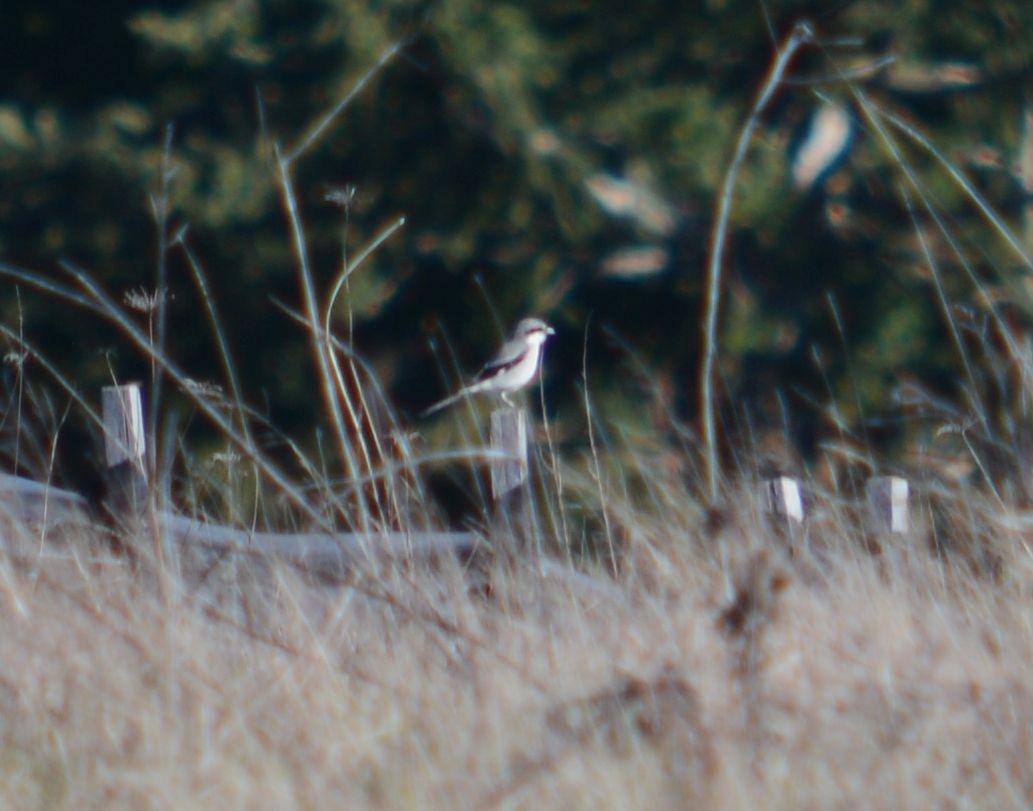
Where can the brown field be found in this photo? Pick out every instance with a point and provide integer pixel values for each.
(725, 668)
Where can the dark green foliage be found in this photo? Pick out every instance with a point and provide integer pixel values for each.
(488, 134)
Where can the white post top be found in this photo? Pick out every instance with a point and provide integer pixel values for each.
(124, 438)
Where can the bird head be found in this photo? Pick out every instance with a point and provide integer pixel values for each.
(534, 330)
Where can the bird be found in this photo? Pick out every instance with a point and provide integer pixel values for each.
(513, 367)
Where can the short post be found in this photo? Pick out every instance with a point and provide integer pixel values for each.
(124, 449)
(782, 497)
(888, 507)
(509, 436)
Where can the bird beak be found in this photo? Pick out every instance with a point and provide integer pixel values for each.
(550, 331)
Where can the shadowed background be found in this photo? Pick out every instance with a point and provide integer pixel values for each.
(552, 158)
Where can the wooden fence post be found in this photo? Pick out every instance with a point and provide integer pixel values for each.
(124, 449)
(508, 435)
(782, 497)
(509, 477)
(888, 504)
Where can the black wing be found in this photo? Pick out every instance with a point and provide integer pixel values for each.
(497, 367)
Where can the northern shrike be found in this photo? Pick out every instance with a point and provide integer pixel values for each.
(511, 369)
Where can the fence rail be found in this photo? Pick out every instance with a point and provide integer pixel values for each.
(325, 552)
(37, 502)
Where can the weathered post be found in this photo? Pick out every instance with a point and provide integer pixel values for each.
(508, 436)
(125, 447)
(125, 450)
(782, 497)
(888, 508)
(509, 477)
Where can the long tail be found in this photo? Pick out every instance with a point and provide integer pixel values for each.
(474, 388)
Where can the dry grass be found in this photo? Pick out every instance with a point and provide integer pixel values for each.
(731, 675)
(714, 663)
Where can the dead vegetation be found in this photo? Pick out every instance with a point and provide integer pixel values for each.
(744, 680)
